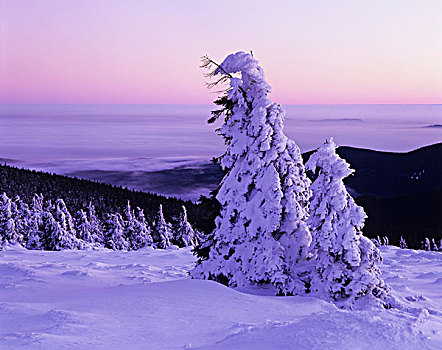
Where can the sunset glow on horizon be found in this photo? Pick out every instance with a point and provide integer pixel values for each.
(313, 52)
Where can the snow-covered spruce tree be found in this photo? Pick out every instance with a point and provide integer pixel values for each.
(434, 245)
(8, 232)
(35, 224)
(345, 259)
(184, 234)
(403, 243)
(162, 231)
(426, 245)
(22, 216)
(129, 226)
(55, 236)
(64, 218)
(85, 231)
(377, 241)
(95, 225)
(142, 232)
(261, 236)
(115, 238)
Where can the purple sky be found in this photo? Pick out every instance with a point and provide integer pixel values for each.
(142, 51)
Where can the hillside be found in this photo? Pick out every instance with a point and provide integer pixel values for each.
(77, 193)
(401, 192)
(386, 174)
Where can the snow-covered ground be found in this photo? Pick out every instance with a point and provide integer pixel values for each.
(144, 300)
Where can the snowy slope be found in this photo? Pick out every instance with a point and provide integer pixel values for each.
(144, 300)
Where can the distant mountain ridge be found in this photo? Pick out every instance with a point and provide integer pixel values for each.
(389, 174)
(384, 174)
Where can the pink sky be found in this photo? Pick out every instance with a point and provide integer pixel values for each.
(142, 51)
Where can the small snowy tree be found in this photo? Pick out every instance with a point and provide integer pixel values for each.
(261, 235)
(35, 224)
(142, 231)
(439, 246)
(426, 245)
(129, 226)
(64, 216)
(434, 245)
(95, 225)
(84, 229)
(56, 237)
(345, 260)
(377, 241)
(403, 243)
(8, 232)
(22, 215)
(184, 233)
(66, 222)
(115, 238)
(162, 231)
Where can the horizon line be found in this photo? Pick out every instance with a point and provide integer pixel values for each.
(209, 104)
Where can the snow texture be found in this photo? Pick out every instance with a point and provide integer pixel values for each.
(84, 299)
(261, 236)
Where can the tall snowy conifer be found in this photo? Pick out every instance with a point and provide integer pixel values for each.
(64, 216)
(426, 245)
(129, 226)
(143, 232)
(345, 259)
(66, 222)
(162, 231)
(35, 224)
(57, 237)
(85, 230)
(8, 233)
(22, 216)
(184, 234)
(403, 243)
(95, 225)
(261, 234)
(115, 233)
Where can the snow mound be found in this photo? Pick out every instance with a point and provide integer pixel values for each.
(145, 300)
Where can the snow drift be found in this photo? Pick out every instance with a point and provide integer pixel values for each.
(145, 300)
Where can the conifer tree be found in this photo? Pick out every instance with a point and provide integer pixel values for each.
(434, 245)
(57, 237)
(403, 243)
(129, 226)
(184, 234)
(66, 222)
(142, 235)
(426, 245)
(345, 259)
(22, 216)
(95, 225)
(115, 233)
(83, 228)
(162, 233)
(261, 234)
(64, 217)
(35, 224)
(8, 232)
